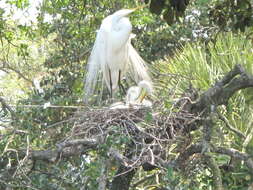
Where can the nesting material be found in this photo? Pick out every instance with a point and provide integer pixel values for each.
(150, 135)
(90, 123)
(98, 121)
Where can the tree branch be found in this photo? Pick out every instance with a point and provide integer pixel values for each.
(237, 155)
(7, 66)
(223, 89)
(102, 181)
(197, 148)
(64, 150)
(124, 174)
(229, 126)
(120, 158)
(7, 107)
(148, 177)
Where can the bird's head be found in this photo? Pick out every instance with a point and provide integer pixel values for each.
(123, 13)
(145, 89)
(126, 12)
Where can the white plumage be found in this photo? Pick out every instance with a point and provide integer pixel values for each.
(113, 55)
(136, 96)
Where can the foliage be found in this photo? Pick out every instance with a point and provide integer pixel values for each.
(226, 14)
(200, 66)
(54, 51)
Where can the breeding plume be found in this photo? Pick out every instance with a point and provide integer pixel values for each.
(113, 55)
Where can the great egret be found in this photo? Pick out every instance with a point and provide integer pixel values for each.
(113, 54)
(136, 96)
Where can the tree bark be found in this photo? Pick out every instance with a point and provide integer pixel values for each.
(123, 178)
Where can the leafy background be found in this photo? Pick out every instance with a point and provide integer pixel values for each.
(44, 62)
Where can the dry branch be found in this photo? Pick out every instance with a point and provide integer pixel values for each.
(5, 106)
(197, 148)
(64, 150)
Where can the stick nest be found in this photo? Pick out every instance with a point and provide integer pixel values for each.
(149, 134)
(139, 122)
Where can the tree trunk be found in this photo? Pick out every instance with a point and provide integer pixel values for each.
(123, 179)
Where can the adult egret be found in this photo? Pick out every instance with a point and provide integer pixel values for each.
(136, 96)
(113, 54)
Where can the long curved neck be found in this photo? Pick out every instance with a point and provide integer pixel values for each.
(120, 14)
(116, 20)
(121, 29)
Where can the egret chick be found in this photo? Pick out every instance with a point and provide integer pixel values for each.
(136, 94)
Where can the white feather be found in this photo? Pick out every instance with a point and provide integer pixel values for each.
(137, 66)
(134, 92)
(96, 60)
(114, 55)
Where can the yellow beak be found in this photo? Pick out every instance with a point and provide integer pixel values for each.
(139, 7)
(142, 95)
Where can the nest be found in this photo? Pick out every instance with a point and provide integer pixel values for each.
(138, 121)
(151, 134)
(91, 123)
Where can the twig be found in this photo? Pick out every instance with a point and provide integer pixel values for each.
(229, 126)
(7, 66)
(8, 107)
(21, 163)
(148, 177)
(49, 106)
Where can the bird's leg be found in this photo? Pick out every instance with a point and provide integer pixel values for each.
(110, 77)
(121, 87)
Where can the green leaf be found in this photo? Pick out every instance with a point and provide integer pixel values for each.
(170, 173)
(148, 117)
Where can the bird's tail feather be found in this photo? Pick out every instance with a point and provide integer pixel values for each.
(92, 75)
(137, 66)
(90, 81)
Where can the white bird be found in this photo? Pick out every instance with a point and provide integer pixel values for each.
(113, 55)
(118, 105)
(136, 96)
